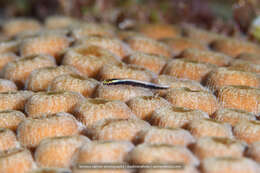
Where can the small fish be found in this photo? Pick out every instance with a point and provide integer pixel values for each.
(133, 82)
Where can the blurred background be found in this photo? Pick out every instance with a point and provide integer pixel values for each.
(224, 16)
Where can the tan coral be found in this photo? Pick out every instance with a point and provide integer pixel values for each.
(21, 158)
(240, 97)
(59, 152)
(206, 56)
(89, 59)
(233, 47)
(20, 69)
(233, 116)
(118, 129)
(148, 45)
(208, 127)
(161, 153)
(51, 44)
(9, 46)
(207, 147)
(179, 44)
(193, 99)
(39, 79)
(11, 119)
(174, 82)
(75, 83)
(7, 85)
(228, 76)
(111, 71)
(114, 45)
(144, 106)
(248, 131)
(15, 26)
(32, 131)
(121, 92)
(52, 102)
(5, 58)
(175, 117)
(160, 30)
(14, 99)
(8, 140)
(154, 63)
(94, 110)
(229, 165)
(171, 136)
(188, 69)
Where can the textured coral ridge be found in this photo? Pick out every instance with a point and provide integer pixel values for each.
(56, 113)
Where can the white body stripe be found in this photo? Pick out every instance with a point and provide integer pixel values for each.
(134, 82)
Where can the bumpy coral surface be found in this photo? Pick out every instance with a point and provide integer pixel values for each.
(57, 113)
